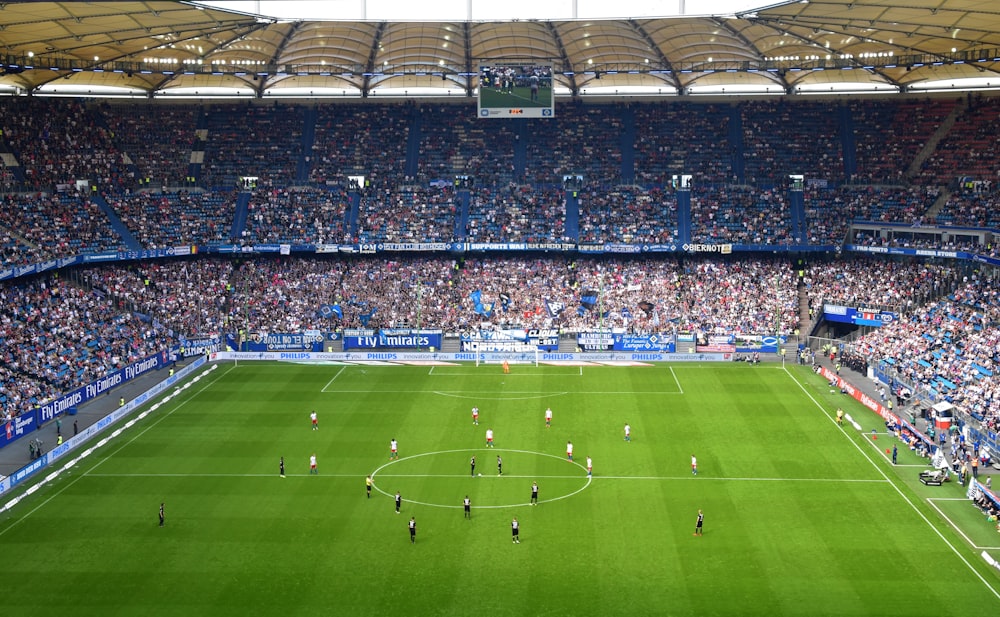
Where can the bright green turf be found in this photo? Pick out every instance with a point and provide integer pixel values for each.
(801, 517)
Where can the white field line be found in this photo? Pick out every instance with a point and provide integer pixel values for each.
(332, 379)
(685, 478)
(152, 425)
(900, 492)
(931, 500)
(677, 381)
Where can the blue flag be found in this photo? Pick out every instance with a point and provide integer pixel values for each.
(478, 306)
(329, 311)
(554, 307)
(589, 298)
(366, 317)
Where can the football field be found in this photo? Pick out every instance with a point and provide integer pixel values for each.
(801, 517)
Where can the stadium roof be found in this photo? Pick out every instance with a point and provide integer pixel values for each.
(162, 48)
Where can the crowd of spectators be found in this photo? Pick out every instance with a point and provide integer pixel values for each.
(830, 212)
(516, 214)
(740, 215)
(60, 141)
(890, 134)
(970, 148)
(971, 209)
(582, 140)
(252, 140)
(59, 336)
(895, 285)
(46, 226)
(782, 138)
(408, 215)
(161, 220)
(627, 214)
(454, 142)
(949, 347)
(300, 216)
(187, 297)
(366, 140)
(682, 138)
(157, 138)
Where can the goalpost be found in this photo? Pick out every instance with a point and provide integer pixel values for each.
(528, 357)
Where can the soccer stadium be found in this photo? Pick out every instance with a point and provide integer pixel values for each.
(546, 308)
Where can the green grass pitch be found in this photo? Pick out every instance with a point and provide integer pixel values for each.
(518, 97)
(801, 517)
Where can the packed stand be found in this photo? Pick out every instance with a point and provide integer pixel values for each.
(580, 140)
(365, 140)
(187, 297)
(59, 225)
(299, 216)
(830, 212)
(454, 142)
(894, 285)
(890, 134)
(950, 347)
(63, 335)
(972, 208)
(59, 141)
(679, 139)
(971, 148)
(415, 215)
(740, 215)
(782, 138)
(516, 214)
(171, 219)
(157, 137)
(628, 215)
(285, 295)
(252, 140)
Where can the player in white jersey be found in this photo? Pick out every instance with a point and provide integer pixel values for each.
(569, 450)
(628, 432)
(393, 449)
(315, 421)
(312, 465)
(548, 417)
(475, 416)
(590, 467)
(489, 438)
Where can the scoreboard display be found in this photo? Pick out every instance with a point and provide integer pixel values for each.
(512, 89)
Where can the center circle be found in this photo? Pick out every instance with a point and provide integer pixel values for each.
(573, 465)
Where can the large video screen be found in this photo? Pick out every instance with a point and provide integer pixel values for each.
(512, 89)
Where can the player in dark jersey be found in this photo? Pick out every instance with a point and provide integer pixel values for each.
(699, 523)
(467, 503)
(413, 529)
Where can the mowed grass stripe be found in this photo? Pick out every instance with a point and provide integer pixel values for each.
(815, 529)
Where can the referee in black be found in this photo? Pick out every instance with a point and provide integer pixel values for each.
(472, 465)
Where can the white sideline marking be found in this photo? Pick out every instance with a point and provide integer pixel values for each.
(899, 491)
(475, 393)
(73, 481)
(323, 389)
(931, 501)
(677, 381)
(528, 396)
(685, 478)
